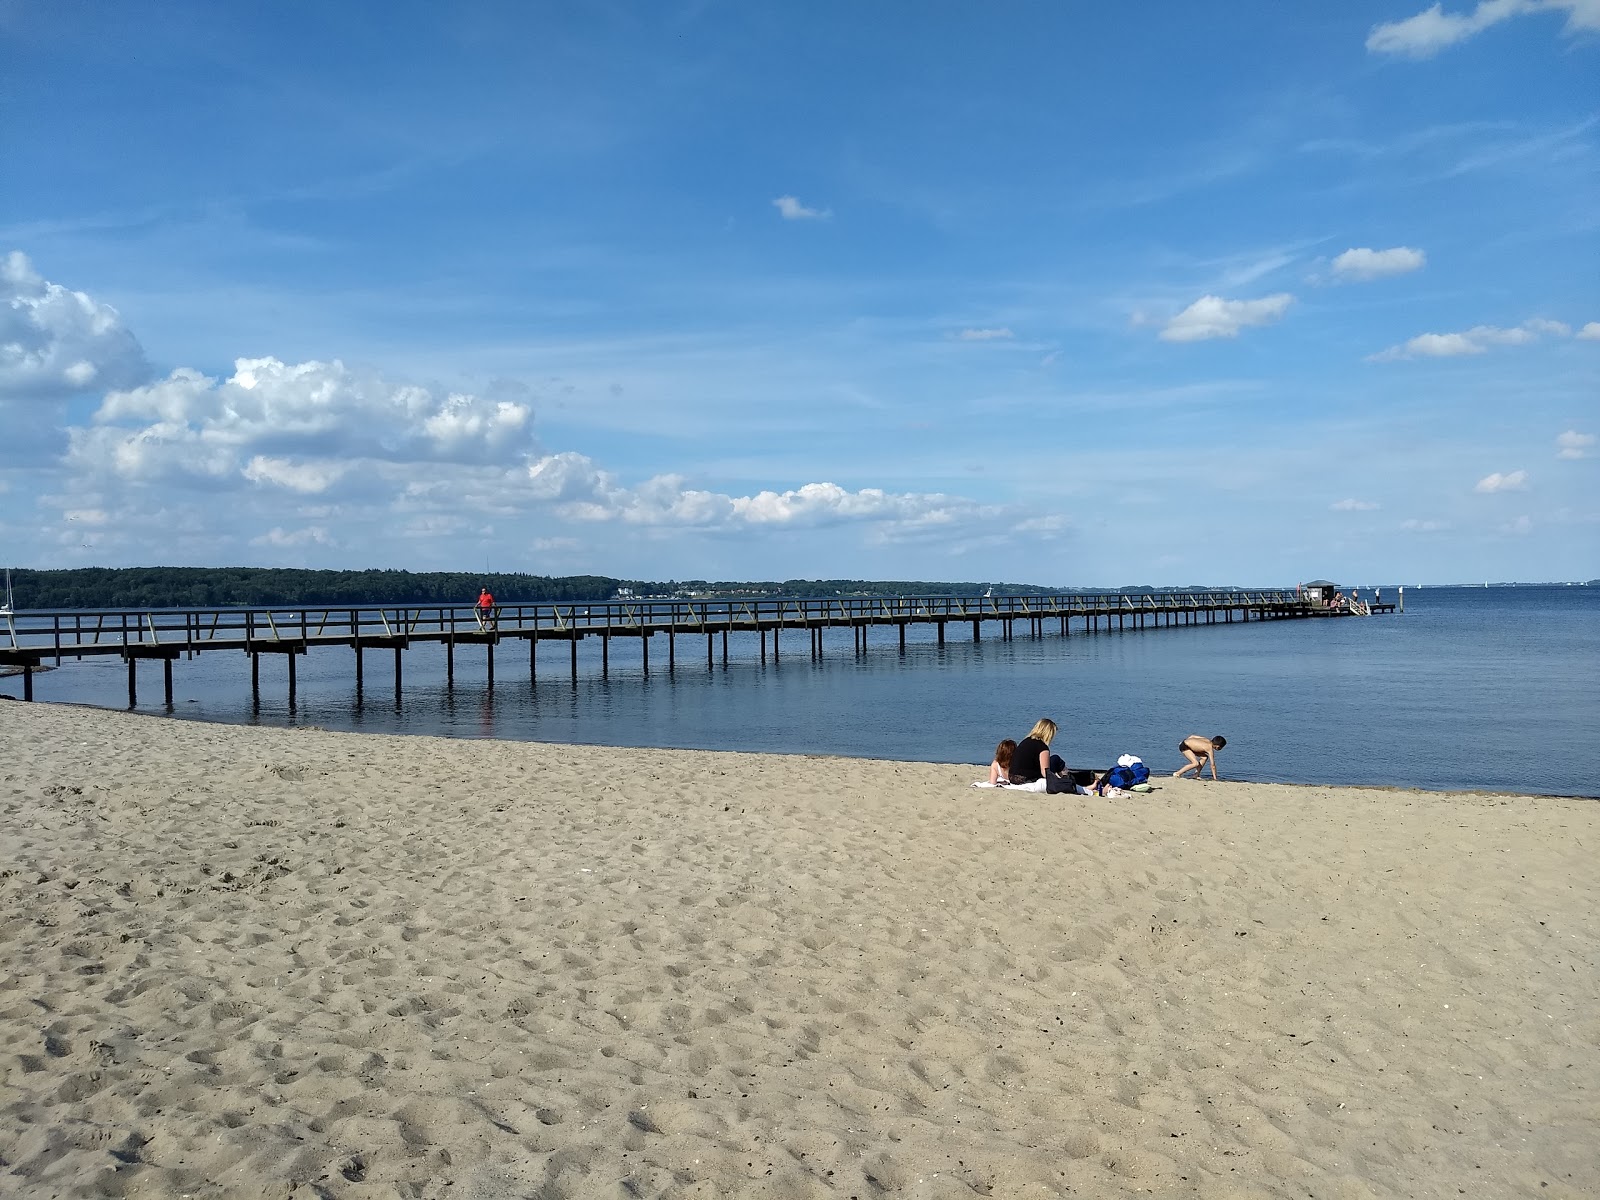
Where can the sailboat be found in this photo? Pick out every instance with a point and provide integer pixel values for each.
(6, 610)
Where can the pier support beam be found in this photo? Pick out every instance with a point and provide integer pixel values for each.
(574, 655)
(644, 647)
(605, 653)
(27, 684)
(450, 665)
(398, 671)
(358, 670)
(133, 683)
(255, 680)
(490, 648)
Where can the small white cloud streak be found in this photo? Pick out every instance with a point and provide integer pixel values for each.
(1433, 29)
(1573, 444)
(1361, 265)
(1354, 506)
(1590, 332)
(1413, 525)
(313, 535)
(984, 335)
(792, 210)
(1476, 340)
(1508, 481)
(1214, 317)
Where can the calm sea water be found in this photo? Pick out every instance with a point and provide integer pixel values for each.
(1470, 688)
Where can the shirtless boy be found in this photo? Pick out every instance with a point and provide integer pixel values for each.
(1199, 750)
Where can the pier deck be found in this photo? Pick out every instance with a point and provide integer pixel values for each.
(166, 635)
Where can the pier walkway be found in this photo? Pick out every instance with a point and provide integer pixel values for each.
(28, 639)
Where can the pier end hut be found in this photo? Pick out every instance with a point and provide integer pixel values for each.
(1319, 591)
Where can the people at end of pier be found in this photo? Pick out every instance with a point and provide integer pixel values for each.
(1199, 750)
(1032, 764)
(1000, 768)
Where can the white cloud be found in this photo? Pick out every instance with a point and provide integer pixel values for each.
(793, 210)
(1573, 444)
(278, 537)
(1476, 340)
(1413, 525)
(581, 491)
(984, 335)
(1214, 317)
(308, 477)
(1360, 264)
(1518, 526)
(1354, 506)
(1509, 481)
(296, 426)
(1433, 29)
(55, 342)
(1590, 332)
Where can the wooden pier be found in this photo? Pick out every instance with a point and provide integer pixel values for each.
(167, 635)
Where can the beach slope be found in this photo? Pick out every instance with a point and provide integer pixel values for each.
(265, 962)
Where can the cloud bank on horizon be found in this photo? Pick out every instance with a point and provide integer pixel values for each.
(595, 319)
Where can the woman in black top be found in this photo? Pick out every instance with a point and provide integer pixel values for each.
(1030, 762)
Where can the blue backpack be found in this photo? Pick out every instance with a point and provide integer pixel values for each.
(1126, 777)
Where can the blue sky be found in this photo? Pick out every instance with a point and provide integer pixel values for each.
(1060, 293)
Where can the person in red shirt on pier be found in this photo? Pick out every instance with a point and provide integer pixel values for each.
(485, 608)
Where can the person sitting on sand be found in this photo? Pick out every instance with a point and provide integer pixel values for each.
(1199, 750)
(1032, 763)
(1000, 768)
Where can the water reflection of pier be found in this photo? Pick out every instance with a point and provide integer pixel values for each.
(166, 635)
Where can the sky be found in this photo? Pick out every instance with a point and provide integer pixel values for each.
(1232, 292)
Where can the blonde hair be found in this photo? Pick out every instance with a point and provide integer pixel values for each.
(1044, 729)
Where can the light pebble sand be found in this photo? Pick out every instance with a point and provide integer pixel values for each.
(261, 962)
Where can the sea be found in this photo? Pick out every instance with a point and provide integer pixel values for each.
(1471, 688)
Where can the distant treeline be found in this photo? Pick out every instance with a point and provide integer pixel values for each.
(217, 587)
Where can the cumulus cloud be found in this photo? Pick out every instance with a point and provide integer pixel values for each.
(1414, 525)
(1433, 29)
(984, 335)
(1362, 264)
(1508, 481)
(295, 426)
(582, 491)
(1518, 526)
(1573, 444)
(1590, 332)
(792, 210)
(311, 535)
(1354, 505)
(1477, 340)
(305, 477)
(1214, 317)
(54, 342)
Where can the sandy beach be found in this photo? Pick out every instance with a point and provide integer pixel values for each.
(262, 962)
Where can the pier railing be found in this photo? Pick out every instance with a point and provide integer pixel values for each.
(113, 631)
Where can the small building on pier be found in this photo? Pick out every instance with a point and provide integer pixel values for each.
(1319, 591)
